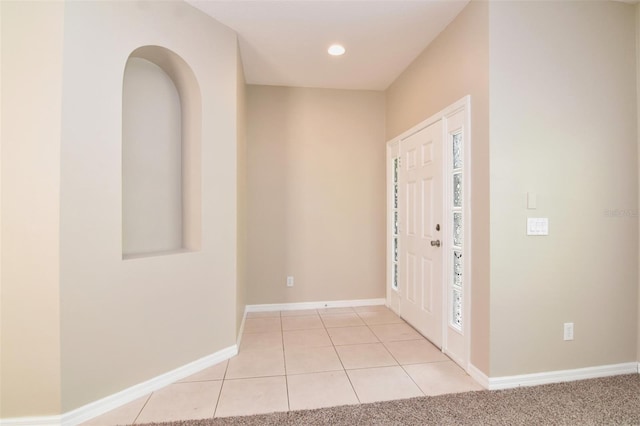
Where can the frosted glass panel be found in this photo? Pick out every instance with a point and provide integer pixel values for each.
(457, 151)
(457, 229)
(395, 275)
(457, 190)
(395, 196)
(395, 183)
(395, 170)
(456, 312)
(457, 268)
(395, 223)
(395, 249)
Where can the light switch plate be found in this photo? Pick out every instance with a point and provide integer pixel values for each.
(532, 200)
(537, 226)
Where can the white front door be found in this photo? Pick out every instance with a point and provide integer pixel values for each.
(421, 229)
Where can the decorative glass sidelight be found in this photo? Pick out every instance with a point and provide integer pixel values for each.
(457, 309)
(457, 151)
(457, 229)
(396, 223)
(395, 182)
(457, 190)
(395, 275)
(457, 269)
(456, 209)
(396, 231)
(395, 250)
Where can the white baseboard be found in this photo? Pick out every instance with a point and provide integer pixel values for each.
(508, 382)
(96, 408)
(478, 376)
(314, 305)
(32, 421)
(111, 402)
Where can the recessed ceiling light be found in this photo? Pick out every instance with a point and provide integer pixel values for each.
(336, 50)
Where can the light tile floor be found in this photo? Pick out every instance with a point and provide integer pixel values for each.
(294, 360)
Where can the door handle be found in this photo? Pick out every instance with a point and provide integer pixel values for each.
(435, 243)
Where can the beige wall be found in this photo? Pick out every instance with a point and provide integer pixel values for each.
(30, 329)
(454, 65)
(563, 125)
(638, 135)
(241, 128)
(123, 322)
(316, 207)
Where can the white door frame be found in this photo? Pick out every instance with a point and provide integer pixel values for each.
(393, 294)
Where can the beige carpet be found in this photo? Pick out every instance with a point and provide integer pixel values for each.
(607, 401)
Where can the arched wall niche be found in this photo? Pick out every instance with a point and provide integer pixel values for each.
(161, 142)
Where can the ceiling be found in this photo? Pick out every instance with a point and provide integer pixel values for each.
(284, 43)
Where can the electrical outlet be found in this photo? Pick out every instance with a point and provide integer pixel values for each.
(289, 281)
(568, 331)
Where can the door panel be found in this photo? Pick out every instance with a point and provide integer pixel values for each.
(411, 278)
(427, 296)
(421, 283)
(428, 226)
(412, 208)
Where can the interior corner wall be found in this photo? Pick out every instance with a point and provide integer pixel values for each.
(31, 75)
(316, 206)
(126, 321)
(563, 126)
(456, 64)
(241, 286)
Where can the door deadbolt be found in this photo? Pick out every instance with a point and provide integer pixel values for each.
(437, 227)
(435, 243)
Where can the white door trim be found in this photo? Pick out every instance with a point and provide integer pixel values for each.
(393, 297)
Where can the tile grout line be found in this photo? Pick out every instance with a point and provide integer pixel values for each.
(390, 353)
(414, 382)
(143, 407)
(224, 379)
(403, 366)
(345, 370)
(284, 360)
